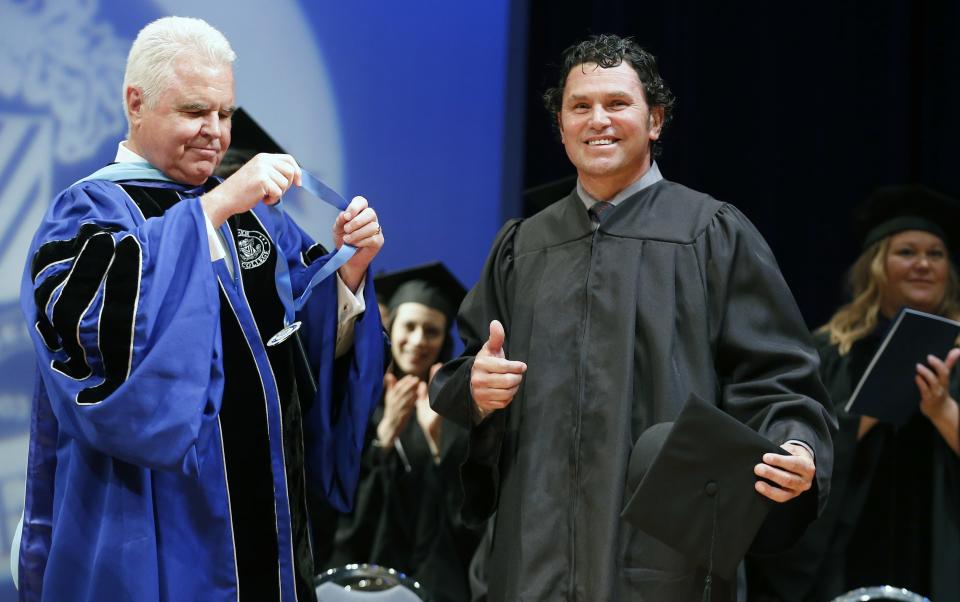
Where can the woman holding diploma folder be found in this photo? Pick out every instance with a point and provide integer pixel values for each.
(893, 517)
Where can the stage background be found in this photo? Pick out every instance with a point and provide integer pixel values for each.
(431, 110)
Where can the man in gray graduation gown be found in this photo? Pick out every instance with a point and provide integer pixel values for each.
(588, 326)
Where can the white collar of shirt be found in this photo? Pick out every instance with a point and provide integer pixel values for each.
(125, 155)
(648, 179)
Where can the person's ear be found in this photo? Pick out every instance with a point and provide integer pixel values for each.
(656, 122)
(560, 127)
(135, 104)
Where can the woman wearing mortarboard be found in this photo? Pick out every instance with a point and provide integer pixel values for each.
(406, 516)
(893, 517)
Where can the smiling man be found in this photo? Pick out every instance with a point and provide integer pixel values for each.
(598, 318)
(176, 436)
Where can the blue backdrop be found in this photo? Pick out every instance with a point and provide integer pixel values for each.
(403, 102)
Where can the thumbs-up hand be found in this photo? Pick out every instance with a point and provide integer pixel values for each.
(494, 380)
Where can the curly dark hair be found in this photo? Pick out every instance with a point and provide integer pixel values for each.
(607, 50)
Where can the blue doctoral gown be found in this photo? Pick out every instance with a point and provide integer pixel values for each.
(171, 451)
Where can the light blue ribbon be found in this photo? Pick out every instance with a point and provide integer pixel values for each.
(313, 185)
(142, 171)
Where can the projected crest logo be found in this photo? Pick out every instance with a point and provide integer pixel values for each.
(60, 73)
(61, 116)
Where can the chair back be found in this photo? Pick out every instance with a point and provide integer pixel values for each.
(367, 583)
(878, 593)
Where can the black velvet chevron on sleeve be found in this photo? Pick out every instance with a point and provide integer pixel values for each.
(96, 263)
(120, 297)
(313, 253)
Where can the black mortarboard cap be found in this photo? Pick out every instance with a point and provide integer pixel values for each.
(694, 487)
(246, 133)
(893, 209)
(431, 284)
(247, 139)
(537, 198)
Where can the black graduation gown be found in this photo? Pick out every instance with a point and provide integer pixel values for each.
(893, 517)
(908, 531)
(814, 569)
(409, 520)
(675, 293)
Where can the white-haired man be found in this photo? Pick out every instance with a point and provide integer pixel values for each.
(171, 449)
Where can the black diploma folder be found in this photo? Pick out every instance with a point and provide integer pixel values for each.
(887, 391)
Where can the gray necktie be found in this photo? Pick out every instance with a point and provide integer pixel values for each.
(597, 211)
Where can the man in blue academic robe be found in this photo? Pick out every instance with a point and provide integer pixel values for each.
(173, 448)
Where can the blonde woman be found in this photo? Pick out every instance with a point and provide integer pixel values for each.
(892, 517)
